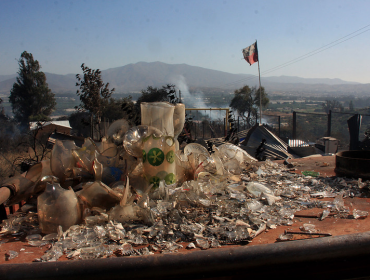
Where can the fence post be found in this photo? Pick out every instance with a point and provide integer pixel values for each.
(203, 129)
(195, 130)
(91, 127)
(294, 124)
(329, 124)
(354, 123)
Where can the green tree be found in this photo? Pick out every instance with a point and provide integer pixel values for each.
(350, 106)
(246, 102)
(80, 123)
(93, 93)
(113, 109)
(130, 111)
(30, 97)
(333, 105)
(151, 94)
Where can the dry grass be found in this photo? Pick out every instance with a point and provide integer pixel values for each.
(7, 168)
(10, 161)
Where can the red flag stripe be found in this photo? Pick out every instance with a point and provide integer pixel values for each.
(252, 58)
(251, 53)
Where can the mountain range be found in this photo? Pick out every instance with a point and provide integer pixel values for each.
(136, 77)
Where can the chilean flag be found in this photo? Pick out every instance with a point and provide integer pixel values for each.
(251, 53)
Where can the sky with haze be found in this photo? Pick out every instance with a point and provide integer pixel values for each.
(211, 34)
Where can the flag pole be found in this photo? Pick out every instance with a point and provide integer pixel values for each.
(260, 90)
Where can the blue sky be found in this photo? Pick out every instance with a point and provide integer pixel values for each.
(62, 35)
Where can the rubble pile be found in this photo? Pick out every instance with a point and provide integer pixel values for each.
(95, 201)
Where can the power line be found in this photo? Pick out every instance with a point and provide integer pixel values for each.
(322, 48)
(307, 55)
(311, 54)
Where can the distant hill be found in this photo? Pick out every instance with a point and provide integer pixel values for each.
(135, 77)
(299, 80)
(61, 83)
(7, 77)
(138, 76)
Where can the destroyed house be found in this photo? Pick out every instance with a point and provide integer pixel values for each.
(50, 127)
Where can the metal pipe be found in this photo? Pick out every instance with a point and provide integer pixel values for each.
(195, 130)
(329, 124)
(213, 109)
(294, 125)
(307, 233)
(4, 194)
(336, 257)
(203, 128)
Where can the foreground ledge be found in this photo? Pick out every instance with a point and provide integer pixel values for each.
(338, 257)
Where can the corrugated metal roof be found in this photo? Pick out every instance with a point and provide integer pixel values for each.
(33, 125)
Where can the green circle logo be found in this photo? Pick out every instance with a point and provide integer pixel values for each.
(170, 179)
(155, 181)
(155, 157)
(170, 156)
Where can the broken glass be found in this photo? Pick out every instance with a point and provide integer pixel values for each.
(62, 160)
(202, 243)
(133, 140)
(117, 131)
(11, 255)
(256, 189)
(52, 255)
(285, 237)
(325, 214)
(359, 214)
(220, 198)
(98, 194)
(57, 206)
(308, 228)
(95, 252)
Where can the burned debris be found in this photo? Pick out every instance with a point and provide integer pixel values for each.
(137, 193)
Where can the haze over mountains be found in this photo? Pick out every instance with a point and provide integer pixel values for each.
(135, 77)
